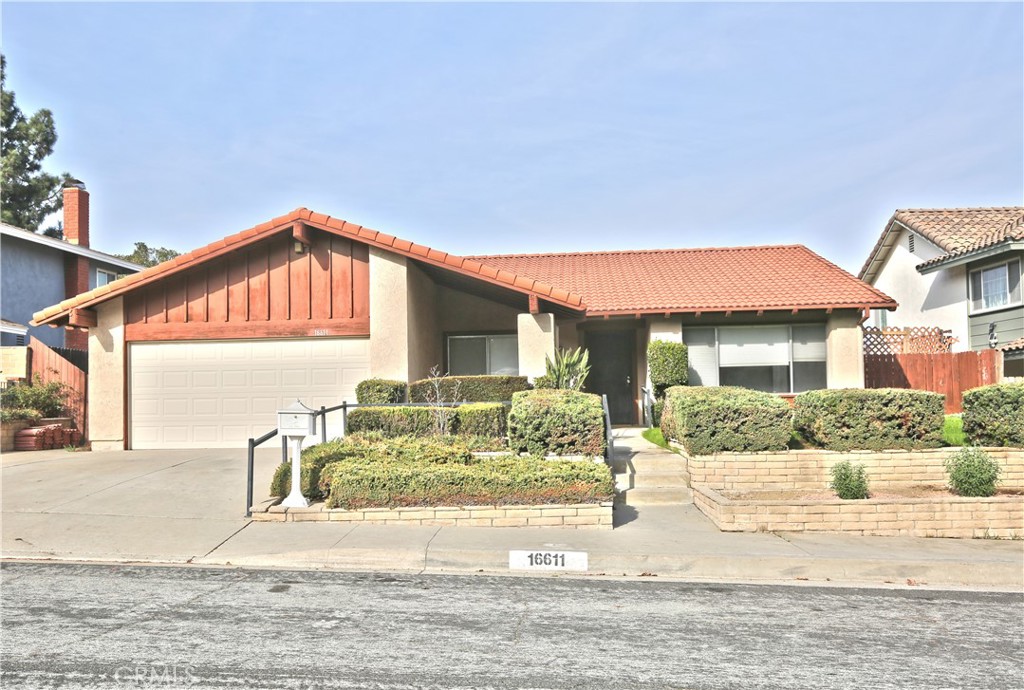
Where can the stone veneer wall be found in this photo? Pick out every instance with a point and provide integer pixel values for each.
(575, 516)
(8, 430)
(809, 469)
(998, 516)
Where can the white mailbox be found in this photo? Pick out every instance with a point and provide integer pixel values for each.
(296, 420)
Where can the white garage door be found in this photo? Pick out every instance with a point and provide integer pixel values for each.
(218, 394)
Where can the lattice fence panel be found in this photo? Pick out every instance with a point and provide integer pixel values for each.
(905, 341)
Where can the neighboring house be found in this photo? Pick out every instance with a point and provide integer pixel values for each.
(38, 271)
(958, 269)
(202, 350)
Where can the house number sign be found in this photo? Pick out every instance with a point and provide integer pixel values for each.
(574, 561)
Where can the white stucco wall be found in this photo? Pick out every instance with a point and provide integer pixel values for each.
(389, 316)
(106, 377)
(844, 347)
(536, 343)
(935, 300)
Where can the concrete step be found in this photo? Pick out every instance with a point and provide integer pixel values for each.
(652, 480)
(656, 496)
(668, 463)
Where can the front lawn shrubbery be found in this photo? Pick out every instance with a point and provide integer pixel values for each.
(556, 422)
(972, 472)
(725, 419)
(849, 481)
(668, 364)
(467, 388)
(392, 421)
(994, 415)
(16, 414)
(371, 471)
(481, 419)
(380, 392)
(870, 419)
(49, 399)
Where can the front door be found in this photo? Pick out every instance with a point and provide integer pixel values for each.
(612, 369)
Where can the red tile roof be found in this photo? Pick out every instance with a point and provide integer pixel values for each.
(705, 280)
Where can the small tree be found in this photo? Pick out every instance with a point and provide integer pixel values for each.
(568, 371)
(668, 364)
(442, 415)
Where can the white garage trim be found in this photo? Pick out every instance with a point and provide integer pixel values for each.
(217, 394)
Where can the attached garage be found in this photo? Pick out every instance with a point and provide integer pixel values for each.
(217, 394)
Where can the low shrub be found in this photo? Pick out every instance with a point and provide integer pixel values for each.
(953, 430)
(544, 382)
(569, 369)
(994, 415)
(49, 399)
(482, 419)
(468, 388)
(556, 422)
(392, 421)
(314, 459)
(849, 481)
(668, 363)
(725, 419)
(657, 409)
(972, 472)
(16, 414)
(380, 392)
(870, 419)
(490, 481)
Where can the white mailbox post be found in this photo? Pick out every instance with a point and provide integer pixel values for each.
(296, 422)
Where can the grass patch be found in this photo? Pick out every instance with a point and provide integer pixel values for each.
(655, 436)
(953, 430)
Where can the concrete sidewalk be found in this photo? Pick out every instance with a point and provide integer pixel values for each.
(187, 507)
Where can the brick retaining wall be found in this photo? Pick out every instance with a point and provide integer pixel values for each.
(8, 430)
(998, 516)
(804, 470)
(575, 516)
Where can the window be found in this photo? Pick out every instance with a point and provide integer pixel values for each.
(483, 354)
(995, 287)
(775, 359)
(104, 277)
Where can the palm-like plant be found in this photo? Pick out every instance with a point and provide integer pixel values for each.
(569, 370)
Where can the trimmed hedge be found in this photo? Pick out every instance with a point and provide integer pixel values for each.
(481, 419)
(870, 419)
(668, 364)
(392, 421)
(469, 388)
(380, 392)
(492, 481)
(314, 459)
(994, 415)
(556, 422)
(710, 420)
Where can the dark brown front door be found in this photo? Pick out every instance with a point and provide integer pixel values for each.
(612, 368)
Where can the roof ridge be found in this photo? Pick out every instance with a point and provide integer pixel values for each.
(960, 208)
(605, 252)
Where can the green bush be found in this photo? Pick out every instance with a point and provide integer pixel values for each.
(668, 364)
(556, 422)
(544, 382)
(468, 388)
(972, 472)
(850, 482)
(380, 392)
(482, 419)
(656, 410)
(16, 414)
(870, 419)
(569, 370)
(490, 481)
(994, 415)
(50, 399)
(392, 421)
(725, 419)
(314, 459)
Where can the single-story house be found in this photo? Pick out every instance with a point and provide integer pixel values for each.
(202, 350)
(958, 269)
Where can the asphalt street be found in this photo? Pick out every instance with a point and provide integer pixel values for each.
(70, 626)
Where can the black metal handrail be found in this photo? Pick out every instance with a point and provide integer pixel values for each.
(253, 442)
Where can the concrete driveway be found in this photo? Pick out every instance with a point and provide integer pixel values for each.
(159, 505)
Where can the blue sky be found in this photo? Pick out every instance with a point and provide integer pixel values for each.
(492, 128)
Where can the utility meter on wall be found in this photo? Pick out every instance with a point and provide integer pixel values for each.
(296, 420)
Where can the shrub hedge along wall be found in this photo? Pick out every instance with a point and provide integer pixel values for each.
(668, 364)
(994, 415)
(556, 422)
(870, 419)
(380, 392)
(482, 419)
(371, 472)
(473, 419)
(469, 388)
(725, 419)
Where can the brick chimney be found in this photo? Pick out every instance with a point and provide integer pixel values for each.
(76, 213)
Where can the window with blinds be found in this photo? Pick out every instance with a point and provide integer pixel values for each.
(995, 287)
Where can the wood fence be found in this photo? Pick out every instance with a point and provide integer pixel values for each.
(949, 373)
(50, 366)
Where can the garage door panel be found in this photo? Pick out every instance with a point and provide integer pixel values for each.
(219, 394)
